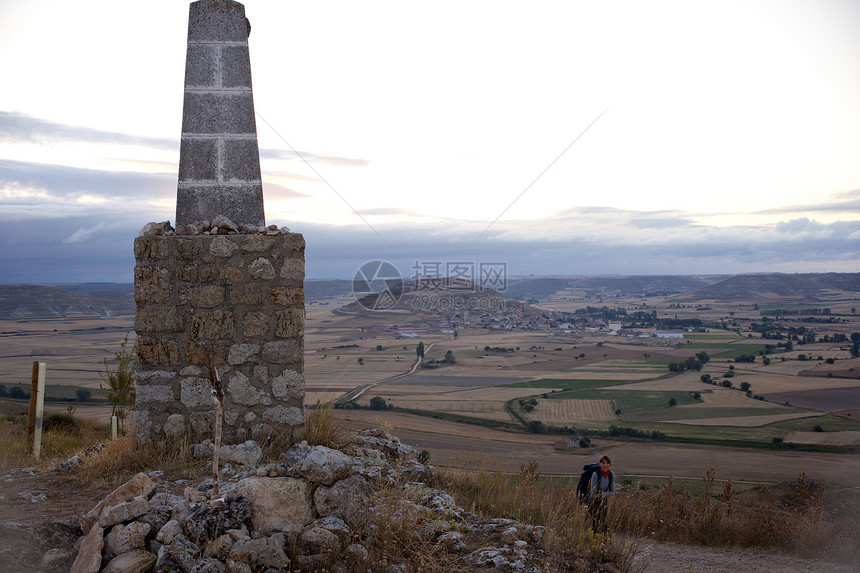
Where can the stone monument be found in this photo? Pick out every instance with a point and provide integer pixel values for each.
(219, 162)
(222, 290)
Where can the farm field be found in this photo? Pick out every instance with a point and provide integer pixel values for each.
(461, 445)
(585, 380)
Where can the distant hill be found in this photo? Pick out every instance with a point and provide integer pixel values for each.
(634, 285)
(32, 301)
(448, 298)
(768, 286)
(123, 292)
(842, 281)
(316, 290)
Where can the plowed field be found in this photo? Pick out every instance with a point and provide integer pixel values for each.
(569, 411)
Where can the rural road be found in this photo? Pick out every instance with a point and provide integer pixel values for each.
(396, 376)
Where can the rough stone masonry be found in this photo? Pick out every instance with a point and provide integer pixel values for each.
(222, 289)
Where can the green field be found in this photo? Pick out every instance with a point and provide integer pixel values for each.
(627, 400)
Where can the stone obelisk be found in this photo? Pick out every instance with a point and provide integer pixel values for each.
(224, 300)
(219, 161)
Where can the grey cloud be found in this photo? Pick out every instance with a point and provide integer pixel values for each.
(281, 191)
(848, 202)
(64, 181)
(18, 127)
(90, 248)
(312, 158)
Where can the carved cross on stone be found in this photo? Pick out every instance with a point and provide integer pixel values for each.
(219, 160)
(226, 286)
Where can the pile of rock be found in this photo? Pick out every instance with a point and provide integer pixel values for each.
(219, 225)
(319, 509)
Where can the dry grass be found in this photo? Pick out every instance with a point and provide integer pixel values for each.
(322, 428)
(121, 458)
(794, 523)
(57, 445)
(529, 499)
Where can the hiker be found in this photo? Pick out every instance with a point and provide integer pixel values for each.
(601, 486)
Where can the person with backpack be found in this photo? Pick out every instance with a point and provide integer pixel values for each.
(600, 487)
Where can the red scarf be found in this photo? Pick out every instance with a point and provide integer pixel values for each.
(605, 474)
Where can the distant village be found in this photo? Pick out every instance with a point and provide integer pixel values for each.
(524, 318)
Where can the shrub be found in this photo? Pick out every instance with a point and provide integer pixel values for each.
(121, 391)
(537, 427)
(61, 422)
(323, 429)
(377, 403)
(18, 393)
(424, 457)
(83, 395)
(817, 428)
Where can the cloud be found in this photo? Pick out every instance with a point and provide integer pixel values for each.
(86, 233)
(29, 190)
(845, 202)
(312, 158)
(18, 127)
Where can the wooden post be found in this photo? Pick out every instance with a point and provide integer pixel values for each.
(37, 406)
(218, 399)
(113, 427)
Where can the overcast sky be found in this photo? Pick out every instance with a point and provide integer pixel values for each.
(559, 137)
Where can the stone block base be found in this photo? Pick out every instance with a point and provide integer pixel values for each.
(232, 301)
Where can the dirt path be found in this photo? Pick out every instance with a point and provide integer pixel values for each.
(673, 558)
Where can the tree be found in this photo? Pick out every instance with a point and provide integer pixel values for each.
(537, 427)
(379, 348)
(120, 392)
(449, 358)
(361, 361)
(377, 403)
(18, 393)
(703, 357)
(672, 402)
(420, 350)
(745, 386)
(83, 394)
(3, 391)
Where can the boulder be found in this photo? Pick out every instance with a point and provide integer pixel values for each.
(139, 485)
(325, 465)
(89, 559)
(209, 565)
(263, 553)
(334, 524)
(123, 511)
(136, 561)
(277, 503)
(294, 457)
(248, 454)
(347, 499)
(125, 538)
(318, 540)
(180, 555)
